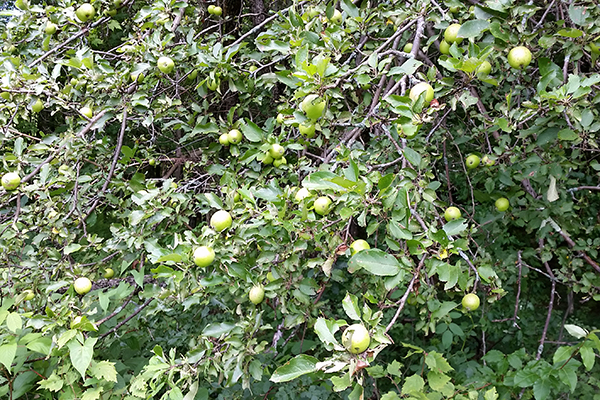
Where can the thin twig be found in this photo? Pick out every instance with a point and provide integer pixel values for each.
(406, 294)
(126, 320)
(550, 305)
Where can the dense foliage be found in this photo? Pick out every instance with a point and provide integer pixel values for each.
(124, 159)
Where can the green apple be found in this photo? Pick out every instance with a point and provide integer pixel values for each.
(356, 338)
(37, 106)
(256, 294)
(217, 11)
(454, 9)
(109, 273)
(276, 151)
(5, 95)
(224, 139)
(336, 18)
(519, 57)
(85, 12)
(221, 220)
(472, 161)
(82, 285)
(359, 245)
(323, 205)
(152, 162)
(267, 159)
(86, 112)
(301, 194)
(470, 302)
(488, 161)
(313, 106)
(452, 213)
(234, 136)
(444, 47)
(165, 65)
(204, 256)
(451, 34)
(11, 181)
(408, 47)
(420, 88)
(29, 295)
(280, 118)
(485, 68)
(211, 9)
(307, 128)
(51, 28)
(192, 75)
(279, 162)
(502, 204)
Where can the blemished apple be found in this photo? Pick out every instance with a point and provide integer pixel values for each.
(336, 18)
(451, 34)
(221, 220)
(85, 12)
(313, 106)
(419, 88)
(472, 161)
(276, 151)
(452, 213)
(502, 204)
(323, 205)
(307, 128)
(301, 194)
(359, 245)
(11, 181)
(256, 294)
(356, 338)
(82, 285)
(519, 57)
(470, 302)
(165, 65)
(234, 136)
(204, 256)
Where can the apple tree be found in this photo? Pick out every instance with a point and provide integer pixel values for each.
(342, 199)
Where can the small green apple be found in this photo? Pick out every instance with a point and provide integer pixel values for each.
(29, 294)
(256, 294)
(165, 65)
(488, 161)
(313, 106)
(234, 136)
(359, 245)
(204, 256)
(217, 11)
(451, 34)
(502, 204)
(152, 162)
(51, 28)
(356, 338)
(82, 285)
(472, 161)
(211, 9)
(408, 47)
(307, 128)
(276, 151)
(452, 213)
(420, 88)
(86, 112)
(485, 68)
(11, 181)
(301, 194)
(336, 18)
(224, 139)
(323, 205)
(109, 273)
(471, 302)
(221, 220)
(267, 159)
(5, 95)
(280, 118)
(279, 162)
(444, 47)
(85, 12)
(519, 57)
(212, 84)
(37, 106)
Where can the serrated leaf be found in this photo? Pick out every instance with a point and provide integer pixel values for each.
(104, 370)
(53, 383)
(296, 367)
(413, 384)
(375, 261)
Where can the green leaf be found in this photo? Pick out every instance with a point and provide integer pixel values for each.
(436, 362)
(491, 394)
(104, 370)
(541, 389)
(473, 28)
(53, 383)
(72, 248)
(567, 134)
(81, 354)
(326, 329)
(413, 384)
(375, 261)
(398, 232)
(216, 330)
(7, 354)
(455, 227)
(350, 305)
(14, 322)
(341, 383)
(412, 157)
(252, 132)
(437, 380)
(170, 257)
(587, 356)
(296, 367)
(349, 8)
(576, 331)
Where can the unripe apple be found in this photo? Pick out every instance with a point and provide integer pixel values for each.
(86, 112)
(204, 256)
(29, 295)
(323, 205)
(267, 159)
(471, 302)
(502, 204)
(451, 33)
(212, 84)
(452, 213)
(301, 194)
(307, 128)
(85, 12)
(485, 68)
(256, 294)
(234, 136)
(280, 118)
(359, 245)
(313, 106)
(336, 18)
(11, 181)
(356, 338)
(82, 285)
(109, 273)
(211, 9)
(279, 162)
(50, 28)
(519, 57)
(217, 11)
(276, 151)
(444, 47)
(420, 88)
(165, 65)
(221, 220)
(488, 161)
(37, 106)
(472, 161)
(224, 139)
(407, 47)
